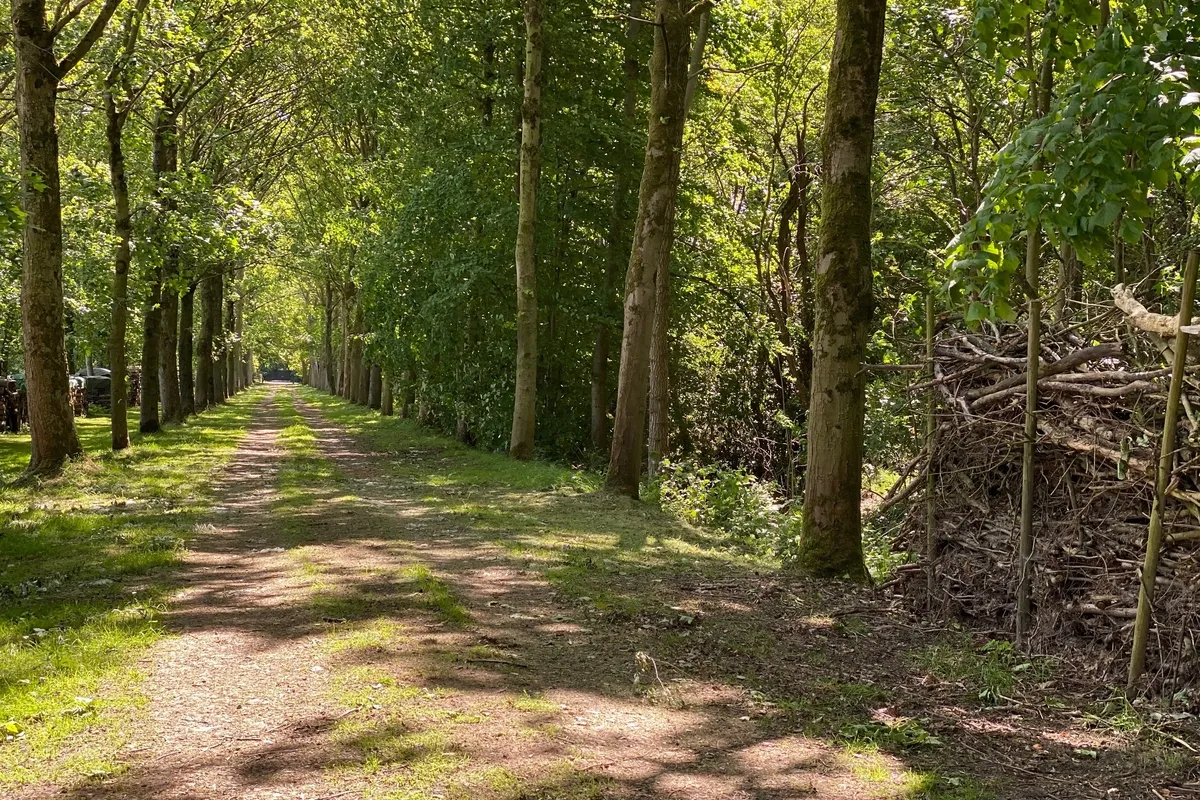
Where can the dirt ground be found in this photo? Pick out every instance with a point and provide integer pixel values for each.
(357, 638)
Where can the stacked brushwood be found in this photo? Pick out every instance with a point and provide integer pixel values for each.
(1102, 393)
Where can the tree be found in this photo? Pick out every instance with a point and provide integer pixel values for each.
(119, 97)
(525, 395)
(831, 539)
(618, 241)
(659, 400)
(39, 75)
(652, 236)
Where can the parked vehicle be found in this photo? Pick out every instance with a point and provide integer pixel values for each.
(97, 386)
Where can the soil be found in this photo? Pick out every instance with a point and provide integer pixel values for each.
(532, 695)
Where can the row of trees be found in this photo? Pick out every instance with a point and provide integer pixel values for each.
(355, 181)
(169, 229)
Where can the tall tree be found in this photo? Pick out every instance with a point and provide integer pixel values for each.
(652, 236)
(660, 345)
(165, 165)
(39, 75)
(119, 97)
(187, 378)
(525, 396)
(618, 241)
(831, 539)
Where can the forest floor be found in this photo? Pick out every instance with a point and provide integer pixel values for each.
(366, 610)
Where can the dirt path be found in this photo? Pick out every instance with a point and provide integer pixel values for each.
(340, 635)
(235, 709)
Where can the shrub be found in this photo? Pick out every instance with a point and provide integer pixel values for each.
(728, 500)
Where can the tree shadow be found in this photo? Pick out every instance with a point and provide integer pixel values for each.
(550, 642)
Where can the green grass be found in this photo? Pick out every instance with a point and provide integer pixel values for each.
(994, 671)
(95, 434)
(587, 543)
(85, 568)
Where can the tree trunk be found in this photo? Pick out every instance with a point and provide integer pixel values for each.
(375, 387)
(1070, 284)
(831, 541)
(151, 347)
(617, 246)
(123, 233)
(187, 384)
(525, 395)
(387, 402)
(364, 378)
(330, 369)
(51, 420)
(651, 240)
(205, 395)
(165, 160)
(219, 339)
(660, 355)
(230, 356)
(660, 346)
(409, 380)
(238, 308)
(168, 355)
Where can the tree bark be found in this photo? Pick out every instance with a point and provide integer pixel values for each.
(187, 383)
(375, 388)
(38, 73)
(51, 420)
(659, 409)
(652, 240)
(617, 246)
(165, 160)
(168, 355)
(409, 380)
(229, 357)
(525, 394)
(219, 341)
(330, 369)
(151, 348)
(122, 255)
(364, 377)
(238, 308)
(831, 540)
(660, 347)
(204, 345)
(387, 401)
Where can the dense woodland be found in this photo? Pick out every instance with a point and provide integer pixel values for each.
(679, 240)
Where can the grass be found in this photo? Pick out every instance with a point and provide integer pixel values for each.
(608, 555)
(551, 517)
(95, 434)
(85, 570)
(994, 671)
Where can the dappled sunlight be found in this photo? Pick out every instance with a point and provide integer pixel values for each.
(344, 622)
(85, 567)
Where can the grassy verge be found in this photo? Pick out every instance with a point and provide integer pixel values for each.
(85, 570)
(95, 434)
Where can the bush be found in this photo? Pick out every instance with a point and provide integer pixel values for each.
(728, 500)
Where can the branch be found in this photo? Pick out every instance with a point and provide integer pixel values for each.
(90, 38)
(1137, 315)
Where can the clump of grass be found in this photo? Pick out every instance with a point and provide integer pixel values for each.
(435, 595)
(992, 670)
(903, 734)
(531, 704)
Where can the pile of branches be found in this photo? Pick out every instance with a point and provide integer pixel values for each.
(1102, 393)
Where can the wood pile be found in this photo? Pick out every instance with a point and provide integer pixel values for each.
(1102, 395)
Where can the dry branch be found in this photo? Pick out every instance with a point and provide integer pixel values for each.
(1099, 413)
